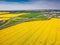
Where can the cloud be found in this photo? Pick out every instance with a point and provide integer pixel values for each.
(29, 6)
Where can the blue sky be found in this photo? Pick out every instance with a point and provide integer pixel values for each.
(29, 4)
(29, 0)
(16, 0)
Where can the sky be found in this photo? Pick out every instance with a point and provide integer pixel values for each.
(29, 4)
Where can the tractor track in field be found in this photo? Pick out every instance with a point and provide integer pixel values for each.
(23, 20)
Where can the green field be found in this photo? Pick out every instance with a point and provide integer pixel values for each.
(25, 17)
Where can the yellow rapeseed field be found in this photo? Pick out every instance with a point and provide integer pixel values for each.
(32, 33)
(4, 12)
(9, 15)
